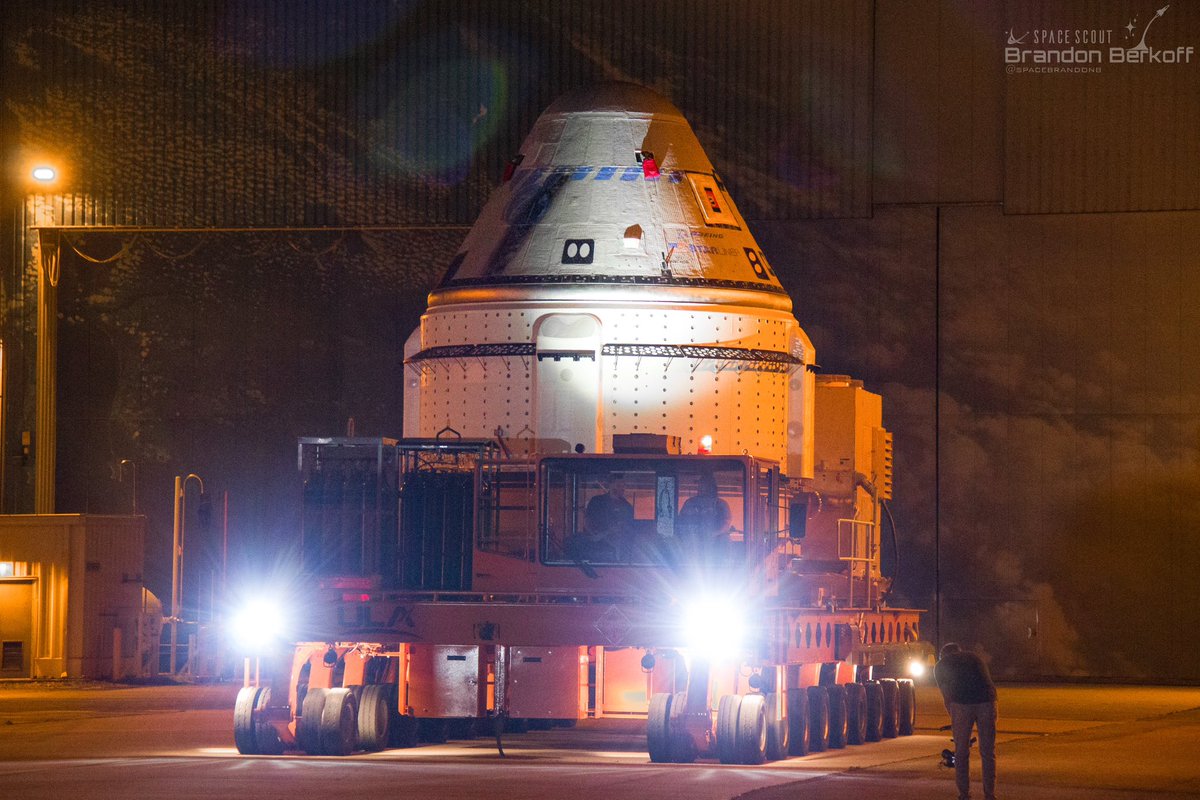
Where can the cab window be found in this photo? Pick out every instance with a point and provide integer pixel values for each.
(643, 512)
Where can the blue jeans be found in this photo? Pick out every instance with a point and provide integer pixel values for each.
(964, 717)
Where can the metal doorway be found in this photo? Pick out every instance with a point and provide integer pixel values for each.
(16, 628)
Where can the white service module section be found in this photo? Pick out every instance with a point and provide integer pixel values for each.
(566, 389)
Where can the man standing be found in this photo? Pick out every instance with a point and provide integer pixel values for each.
(970, 698)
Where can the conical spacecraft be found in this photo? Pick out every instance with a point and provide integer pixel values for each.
(611, 286)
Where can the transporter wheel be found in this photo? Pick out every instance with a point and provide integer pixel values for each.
(339, 723)
(797, 700)
(837, 716)
(908, 708)
(403, 731)
(818, 719)
(891, 707)
(374, 717)
(658, 728)
(308, 727)
(752, 730)
(727, 725)
(874, 694)
(856, 713)
(269, 743)
(683, 749)
(778, 731)
(245, 733)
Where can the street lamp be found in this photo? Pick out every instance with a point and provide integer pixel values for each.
(177, 558)
(41, 182)
(125, 462)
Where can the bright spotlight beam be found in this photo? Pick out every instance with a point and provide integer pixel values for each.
(715, 629)
(257, 625)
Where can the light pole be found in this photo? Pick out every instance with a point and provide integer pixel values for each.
(177, 558)
(49, 256)
(121, 471)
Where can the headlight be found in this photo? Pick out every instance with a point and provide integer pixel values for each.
(916, 668)
(715, 630)
(257, 625)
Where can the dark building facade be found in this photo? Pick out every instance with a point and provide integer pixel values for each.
(256, 195)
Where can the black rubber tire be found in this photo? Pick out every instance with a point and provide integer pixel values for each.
(269, 743)
(752, 730)
(308, 727)
(339, 723)
(891, 708)
(727, 725)
(683, 749)
(245, 733)
(797, 700)
(403, 731)
(658, 728)
(777, 731)
(856, 713)
(374, 717)
(837, 716)
(874, 711)
(908, 708)
(818, 719)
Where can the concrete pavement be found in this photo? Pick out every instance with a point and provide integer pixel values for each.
(1099, 743)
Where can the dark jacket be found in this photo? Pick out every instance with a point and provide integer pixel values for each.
(964, 678)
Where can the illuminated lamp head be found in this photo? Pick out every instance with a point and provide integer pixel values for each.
(714, 628)
(257, 625)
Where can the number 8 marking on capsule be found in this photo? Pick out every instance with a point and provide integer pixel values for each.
(759, 264)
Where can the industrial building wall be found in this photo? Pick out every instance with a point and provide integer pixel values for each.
(1007, 256)
(86, 574)
(315, 112)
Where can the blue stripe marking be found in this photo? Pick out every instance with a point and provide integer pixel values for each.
(596, 173)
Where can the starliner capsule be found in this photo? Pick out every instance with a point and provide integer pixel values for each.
(610, 286)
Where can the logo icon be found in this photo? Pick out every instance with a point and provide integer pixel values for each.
(1141, 46)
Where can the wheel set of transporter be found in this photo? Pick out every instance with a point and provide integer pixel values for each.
(749, 730)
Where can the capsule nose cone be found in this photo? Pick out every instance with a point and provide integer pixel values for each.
(600, 162)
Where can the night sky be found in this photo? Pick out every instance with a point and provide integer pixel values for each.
(1009, 257)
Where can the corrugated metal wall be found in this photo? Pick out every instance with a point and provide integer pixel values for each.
(87, 581)
(313, 112)
(1120, 139)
